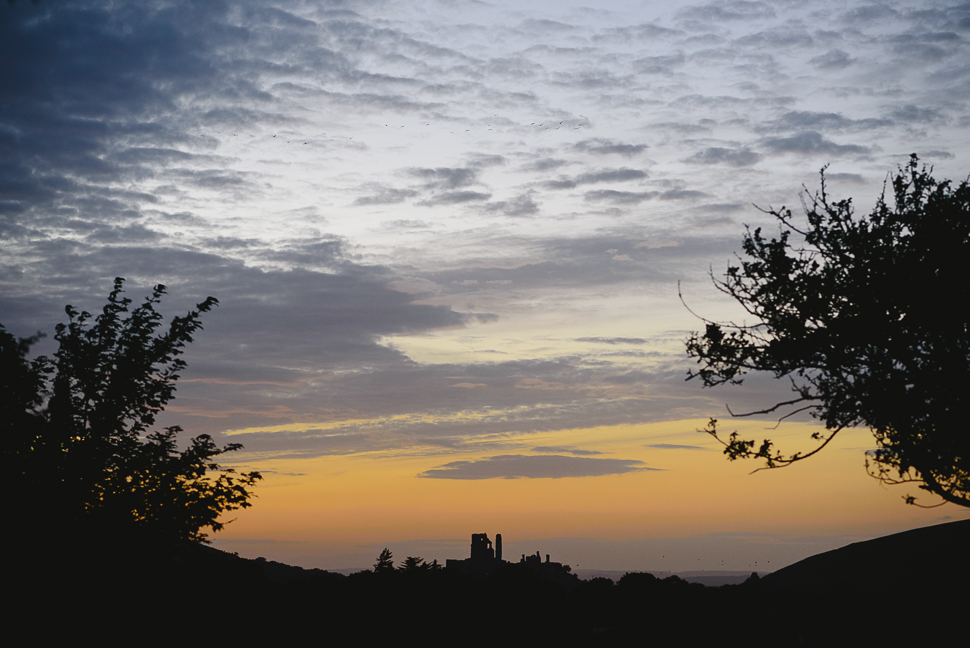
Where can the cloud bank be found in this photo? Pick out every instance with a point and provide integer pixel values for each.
(539, 467)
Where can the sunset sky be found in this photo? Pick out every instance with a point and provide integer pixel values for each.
(447, 239)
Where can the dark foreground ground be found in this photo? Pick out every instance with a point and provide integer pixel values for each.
(910, 587)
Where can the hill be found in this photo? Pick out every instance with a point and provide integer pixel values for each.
(920, 559)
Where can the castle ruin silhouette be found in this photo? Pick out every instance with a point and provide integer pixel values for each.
(485, 559)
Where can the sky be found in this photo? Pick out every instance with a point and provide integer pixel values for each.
(458, 247)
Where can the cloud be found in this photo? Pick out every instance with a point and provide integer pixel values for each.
(404, 223)
(611, 175)
(522, 205)
(105, 107)
(870, 13)
(673, 446)
(911, 114)
(545, 164)
(455, 198)
(685, 128)
(935, 154)
(560, 262)
(541, 467)
(664, 64)
(546, 25)
(642, 32)
(280, 345)
(230, 242)
(801, 120)
(137, 139)
(594, 177)
(698, 102)
(481, 160)
(540, 384)
(308, 443)
(778, 38)
(681, 194)
(731, 10)
(569, 449)
(812, 142)
(921, 53)
(835, 59)
(850, 178)
(609, 147)
(386, 196)
(732, 157)
(165, 156)
(446, 177)
(135, 233)
(620, 197)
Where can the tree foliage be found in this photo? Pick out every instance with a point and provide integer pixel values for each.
(863, 317)
(417, 564)
(80, 446)
(385, 562)
(412, 564)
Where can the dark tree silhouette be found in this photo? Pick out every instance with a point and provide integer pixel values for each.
(77, 429)
(863, 317)
(385, 562)
(412, 564)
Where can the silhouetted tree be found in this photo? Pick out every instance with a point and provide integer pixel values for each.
(385, 562)
(77, 430)
(411, 564)
(863, 316)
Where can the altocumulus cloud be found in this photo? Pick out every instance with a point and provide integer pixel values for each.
(152, 140)
(546, 466)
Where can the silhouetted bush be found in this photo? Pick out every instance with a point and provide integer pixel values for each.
(88, 471)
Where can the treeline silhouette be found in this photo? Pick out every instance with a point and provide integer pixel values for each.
(883, 589)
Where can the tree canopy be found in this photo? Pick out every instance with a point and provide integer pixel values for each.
(417, 564)
(862, 315)
(80, 447)
(385, 562)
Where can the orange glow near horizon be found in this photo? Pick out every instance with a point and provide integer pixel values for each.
(341, 501)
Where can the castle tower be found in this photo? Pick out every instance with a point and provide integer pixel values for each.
(481, 547)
